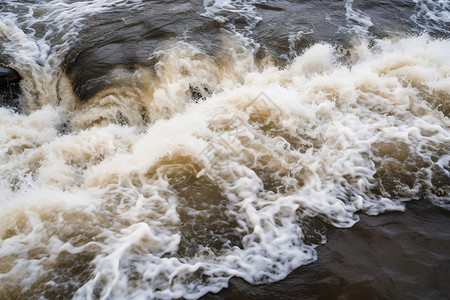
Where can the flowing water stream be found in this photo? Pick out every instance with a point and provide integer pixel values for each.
(159, 149)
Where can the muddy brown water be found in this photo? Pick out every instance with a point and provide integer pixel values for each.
(225, 150)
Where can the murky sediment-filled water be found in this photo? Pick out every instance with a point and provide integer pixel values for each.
(169, 149)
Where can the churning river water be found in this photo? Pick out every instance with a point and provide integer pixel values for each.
(171, 149)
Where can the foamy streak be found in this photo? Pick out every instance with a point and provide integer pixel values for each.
(293, 38)
(224, 12)
(121, 203)
(432, 15)
(356, 20)
(244, 8)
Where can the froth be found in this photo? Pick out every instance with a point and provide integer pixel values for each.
(219, 184)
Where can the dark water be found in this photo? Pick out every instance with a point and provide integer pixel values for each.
(392, 256)
(225, 150)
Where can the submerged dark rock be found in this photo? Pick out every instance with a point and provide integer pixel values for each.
(8, 75)
(10, 88)
(198, 92)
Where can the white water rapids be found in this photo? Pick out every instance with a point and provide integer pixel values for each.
(146, 191)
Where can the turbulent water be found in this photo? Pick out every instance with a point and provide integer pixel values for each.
(162, 148)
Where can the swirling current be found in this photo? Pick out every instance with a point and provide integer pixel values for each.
(172, 149)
